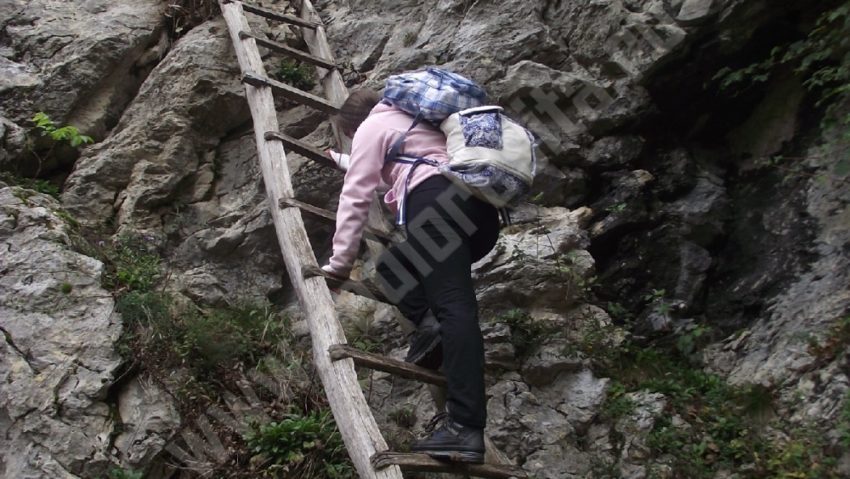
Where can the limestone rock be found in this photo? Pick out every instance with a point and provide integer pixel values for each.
(636, 426)
(80, 62)
(58, 356)
(148, 419)
(12, 143)
(520, 270)
(144, 164)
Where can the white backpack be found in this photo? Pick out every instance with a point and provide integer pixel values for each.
(490, 154)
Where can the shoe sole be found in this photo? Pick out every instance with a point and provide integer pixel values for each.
(456, 456)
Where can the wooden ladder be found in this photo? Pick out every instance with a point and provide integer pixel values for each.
(334, 359)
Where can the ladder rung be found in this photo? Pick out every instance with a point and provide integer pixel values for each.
(304, 149)
(383, 363)
(362, 288)
(425, 463)
(281, 17)
(292, 93)
(330, 217)
(293, 52)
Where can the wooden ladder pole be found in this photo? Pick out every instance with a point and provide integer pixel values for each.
(336, 92)
(356, 424)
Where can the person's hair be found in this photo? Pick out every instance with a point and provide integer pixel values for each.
(355, 109)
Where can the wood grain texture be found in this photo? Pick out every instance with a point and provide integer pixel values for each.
(280, 17)
(356, 424)
(278, 47)
(304, 149)
(386, 364)
(368, 231)
(289, 92)
(363, 288)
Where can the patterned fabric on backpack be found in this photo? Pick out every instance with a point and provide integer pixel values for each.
(433, 94)
(483, 130)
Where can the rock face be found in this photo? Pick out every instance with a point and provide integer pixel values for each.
(81, 63)
(653, 201)
(58, 357)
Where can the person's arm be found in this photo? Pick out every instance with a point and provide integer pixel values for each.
(361, 180)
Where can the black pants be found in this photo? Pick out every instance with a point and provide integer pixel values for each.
(447, 231)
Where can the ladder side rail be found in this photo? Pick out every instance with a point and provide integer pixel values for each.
(336, 92)
(357, 425)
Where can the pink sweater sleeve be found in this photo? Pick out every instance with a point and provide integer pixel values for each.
(361, 180)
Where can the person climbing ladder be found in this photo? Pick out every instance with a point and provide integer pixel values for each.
(429, 275)
(445, 186)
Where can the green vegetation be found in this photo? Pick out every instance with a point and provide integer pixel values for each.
(834, 342)
(59, 135)
(709, 425)
(135, 266)
(69, 134)
(656, 299)
(526, 333)
(844, 425)
(296, 74)
(301, 446)
(617, 404)
(359, 332)
(124, 474)
(821, 60)
(405, 416)
(164, 331)
(35, 184)
(409, 38)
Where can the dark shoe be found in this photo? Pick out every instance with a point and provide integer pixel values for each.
(425, 349)
(452, 442)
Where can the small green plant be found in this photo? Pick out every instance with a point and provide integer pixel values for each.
(69, 134)
(296, 74)
(39, 185)
(409, 38)
(844, 421)
(303, 446)
(405, 417)
(60, 135)
(618, 311)
(690, 340)
(617, 208)
(656, 298)
(66, 288)
(145, 308)
(360, 333)
(220, 337)
(118, 473)
(617, 404)
(136, 268)
(526, 332)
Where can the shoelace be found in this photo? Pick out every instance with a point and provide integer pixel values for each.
(436, 421)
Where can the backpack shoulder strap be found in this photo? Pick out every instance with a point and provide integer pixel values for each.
(396, 150)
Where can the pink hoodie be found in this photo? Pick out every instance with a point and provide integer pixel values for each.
(369, 146)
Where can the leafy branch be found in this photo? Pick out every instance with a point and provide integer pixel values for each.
(64, 134)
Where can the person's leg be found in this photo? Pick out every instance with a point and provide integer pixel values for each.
(400, 280)
(401, 283)
(443, 239)
(450, 294)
